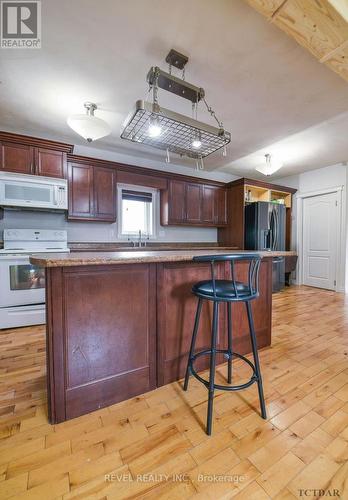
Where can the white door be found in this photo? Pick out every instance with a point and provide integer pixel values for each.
(320, 231)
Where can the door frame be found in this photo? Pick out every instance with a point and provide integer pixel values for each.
(340, 248)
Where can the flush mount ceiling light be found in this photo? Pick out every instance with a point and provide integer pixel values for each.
(89, 126)
(270, 166)
(152, 125)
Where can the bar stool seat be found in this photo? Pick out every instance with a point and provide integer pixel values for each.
(224, 289)
(229, 292)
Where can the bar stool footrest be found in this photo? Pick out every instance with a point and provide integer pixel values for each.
(229, 354)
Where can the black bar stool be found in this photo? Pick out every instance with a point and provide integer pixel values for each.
(226, 291)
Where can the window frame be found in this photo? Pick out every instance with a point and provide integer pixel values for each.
(140, 189)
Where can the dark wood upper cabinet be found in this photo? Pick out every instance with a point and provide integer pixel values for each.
(80, 182)
(220, 206)
(92, 193)
(176, 201)
(50, 163)
(214, 209)
(208, 204)
(17, 158)
(104, 182)
(193, 203)
(30, 155)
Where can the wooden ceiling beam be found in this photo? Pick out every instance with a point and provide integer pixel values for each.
(341, 6)
(278, 9)
(321, 26)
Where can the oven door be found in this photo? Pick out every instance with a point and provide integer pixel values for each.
(21, 282)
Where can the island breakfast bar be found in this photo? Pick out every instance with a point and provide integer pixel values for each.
(119, 324)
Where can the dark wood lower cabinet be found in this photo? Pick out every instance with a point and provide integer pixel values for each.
(175, 318)
(101, 336)
(176, 312)
(117, 331)
(261, 307)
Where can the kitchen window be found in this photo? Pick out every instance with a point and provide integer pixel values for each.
(137, 211)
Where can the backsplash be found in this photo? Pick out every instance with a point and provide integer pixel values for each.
(97, 231)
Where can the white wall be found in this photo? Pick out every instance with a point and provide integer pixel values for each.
(97, 231)
(104, 232)
(316, 180)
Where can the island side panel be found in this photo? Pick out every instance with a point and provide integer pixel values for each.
(108, 336)
(55, 353)
(176, 312)
(175, 318)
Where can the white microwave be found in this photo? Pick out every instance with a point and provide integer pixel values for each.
(33, 191)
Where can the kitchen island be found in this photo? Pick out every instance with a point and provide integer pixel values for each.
(119, 323)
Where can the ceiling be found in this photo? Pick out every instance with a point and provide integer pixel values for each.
(269, 91)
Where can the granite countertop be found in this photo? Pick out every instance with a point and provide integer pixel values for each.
(130, 257)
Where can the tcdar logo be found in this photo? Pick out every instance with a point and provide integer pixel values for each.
(20, 25)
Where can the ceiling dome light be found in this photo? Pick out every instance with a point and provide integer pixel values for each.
(155, 129)
(270, 166)
(89, 126)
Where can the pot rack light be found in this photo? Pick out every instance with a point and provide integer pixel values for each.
(270, 166)
(152, 125)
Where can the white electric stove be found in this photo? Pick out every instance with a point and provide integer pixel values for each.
(22, 285)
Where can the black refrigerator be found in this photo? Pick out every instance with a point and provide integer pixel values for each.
(265, 230)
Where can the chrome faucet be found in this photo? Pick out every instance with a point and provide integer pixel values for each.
(141, 240)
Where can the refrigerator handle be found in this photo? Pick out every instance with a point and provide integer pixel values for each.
(272, 229)
(265, 239)
(276, 226)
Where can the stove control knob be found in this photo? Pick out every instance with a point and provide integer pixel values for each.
(12, 234)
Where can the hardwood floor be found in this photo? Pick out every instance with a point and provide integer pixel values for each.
(154, 446)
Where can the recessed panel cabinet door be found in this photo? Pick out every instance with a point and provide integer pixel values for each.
(17, 158)
(50, 163)
(176, 202)
(104, 194)
(193, 203)
(109, 337)
(80, 178)
(221, 206)
(208, 204)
